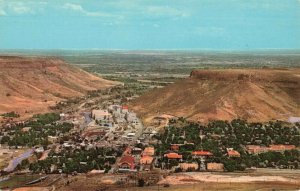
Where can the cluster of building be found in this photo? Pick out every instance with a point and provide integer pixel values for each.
(134, 159)
(114, 123)
(199, 155)
(115, 115)
(137, 159)
(103, 118)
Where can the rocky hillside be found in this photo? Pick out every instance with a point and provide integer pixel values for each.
(252, 94)
(31, 84)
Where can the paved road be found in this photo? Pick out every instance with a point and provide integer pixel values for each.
(14, 162)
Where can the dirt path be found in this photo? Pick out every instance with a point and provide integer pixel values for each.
(194, 177)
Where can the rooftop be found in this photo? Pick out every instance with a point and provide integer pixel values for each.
(148, 151)
(127, 159)
(233, 153)
(146, 160)
(202, 153)
(173, 156)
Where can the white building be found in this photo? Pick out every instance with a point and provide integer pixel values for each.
(101, 114)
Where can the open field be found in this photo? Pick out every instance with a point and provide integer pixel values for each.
(192, 178)
(18, 180)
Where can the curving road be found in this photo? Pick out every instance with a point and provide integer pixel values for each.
(16, 161)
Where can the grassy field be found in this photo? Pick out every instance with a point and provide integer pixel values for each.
(18, 181)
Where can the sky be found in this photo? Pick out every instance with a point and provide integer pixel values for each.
(150, 24)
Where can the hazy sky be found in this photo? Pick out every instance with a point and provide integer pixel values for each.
(150, 24)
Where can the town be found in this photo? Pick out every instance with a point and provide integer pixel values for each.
(109, 138)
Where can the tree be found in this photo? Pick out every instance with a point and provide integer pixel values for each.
(5, 139)
(141, 182)
(230, 165)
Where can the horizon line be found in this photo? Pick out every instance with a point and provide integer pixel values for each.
(132, 50)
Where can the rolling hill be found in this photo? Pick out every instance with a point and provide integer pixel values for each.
(225, 94)
(31, 84)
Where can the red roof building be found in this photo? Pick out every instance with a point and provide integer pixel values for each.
(202, 153)
(146, 160)
(173, 156)
(127, 162)
(233, 153)
(125, 107)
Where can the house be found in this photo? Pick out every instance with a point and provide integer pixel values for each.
(146, 162)
(124, 109)
(173, 156)
(216, 167)
(148, 151)
(233, 153)
(126, 163)
(188, 166)
(201, 154)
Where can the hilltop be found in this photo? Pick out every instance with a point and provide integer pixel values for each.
(225, 94)
(32, 84)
